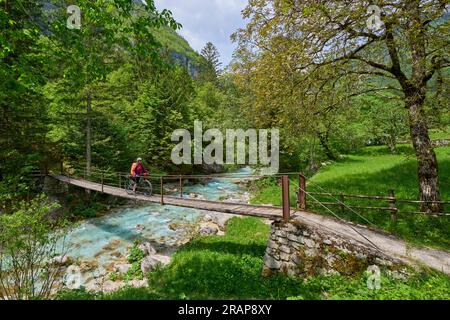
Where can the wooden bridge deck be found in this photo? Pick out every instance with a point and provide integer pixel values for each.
(268, 212)
(390, 245)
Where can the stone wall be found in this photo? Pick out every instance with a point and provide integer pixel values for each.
(299, 250)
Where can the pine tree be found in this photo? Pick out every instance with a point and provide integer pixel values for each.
(212, 63)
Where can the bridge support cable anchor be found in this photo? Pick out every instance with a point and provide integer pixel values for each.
(181, 187)
(285, 198)
(162, 190)
(345, 221)
(301, 195)
(341, 203)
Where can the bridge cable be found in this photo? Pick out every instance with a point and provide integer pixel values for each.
(342, 203)
(341, 219)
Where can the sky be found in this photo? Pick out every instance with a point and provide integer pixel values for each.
(207, 20)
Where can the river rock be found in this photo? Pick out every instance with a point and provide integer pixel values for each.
(207, 218)
(62, 260)
(93, 286)
(152, 262)
(111, 286)
(117, 254)
(220, 219)
(113, 244)
(138, 283)
(207, 229)
(147, 248)
(88, 265)
(122, 268)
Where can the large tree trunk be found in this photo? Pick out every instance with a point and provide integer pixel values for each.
(415, 92)
(323, 139)
(426, 158)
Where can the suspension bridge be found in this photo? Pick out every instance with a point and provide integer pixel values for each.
(386, 243)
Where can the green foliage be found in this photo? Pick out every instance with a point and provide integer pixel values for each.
(160, 108)
(173, 42)
(135, 254)
(210, 64)
(84, 211)
(135, 257)
(29, 238)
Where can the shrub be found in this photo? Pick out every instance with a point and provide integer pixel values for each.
(29, 240)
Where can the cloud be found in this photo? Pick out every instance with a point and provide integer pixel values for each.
(207, 20)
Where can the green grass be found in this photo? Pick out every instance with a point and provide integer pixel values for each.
(374, 171)
(230, 267)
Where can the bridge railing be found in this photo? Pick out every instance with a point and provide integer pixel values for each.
(306, 198)
(382, 203)
(175, 185)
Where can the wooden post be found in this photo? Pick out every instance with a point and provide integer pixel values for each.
(120, 181)
(162, 191)
(301, 191)
(285, 197)
(392, 205)
(181, 187)
(102, 181)
(341, 205)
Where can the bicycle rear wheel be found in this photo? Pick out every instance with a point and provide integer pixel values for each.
(129, 186)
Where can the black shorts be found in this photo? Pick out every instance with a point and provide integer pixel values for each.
(137, 179)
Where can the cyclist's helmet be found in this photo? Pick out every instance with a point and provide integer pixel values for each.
(139, 159)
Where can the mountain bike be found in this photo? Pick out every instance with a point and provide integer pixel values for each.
(144, 186)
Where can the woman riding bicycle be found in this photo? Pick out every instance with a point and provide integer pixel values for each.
(137, 171)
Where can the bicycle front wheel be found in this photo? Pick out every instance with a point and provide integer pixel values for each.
(146, 188)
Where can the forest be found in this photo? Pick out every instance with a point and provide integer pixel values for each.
(359, 110)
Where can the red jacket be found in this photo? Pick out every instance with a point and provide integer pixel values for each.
(138, 169)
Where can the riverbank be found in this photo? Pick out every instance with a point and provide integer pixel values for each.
(229, 267)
